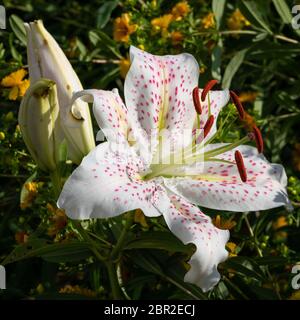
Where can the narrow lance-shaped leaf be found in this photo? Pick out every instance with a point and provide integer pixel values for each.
(216, 60)
(17, 25)
(252, 10)
(233, 67)
(218, 10)
(285, 12)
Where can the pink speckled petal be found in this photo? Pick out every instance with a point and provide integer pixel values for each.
(109, 111)
(158, 91)
(219, 185)
(190, 225)
(107, 184)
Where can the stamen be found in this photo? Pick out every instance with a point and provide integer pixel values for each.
(258, 139)
(196, 100)
(240, 165)
(209, 123)
(208, 87)
(235, 99)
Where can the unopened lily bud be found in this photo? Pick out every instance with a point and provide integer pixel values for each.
(39, 123)
(47, 60)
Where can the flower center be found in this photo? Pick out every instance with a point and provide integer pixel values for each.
(189, 161)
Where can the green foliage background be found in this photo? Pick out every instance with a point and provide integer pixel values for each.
(261, 58)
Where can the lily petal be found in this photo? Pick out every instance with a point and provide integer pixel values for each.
(107, 184)
(218, 185)
(109, 111)
(158, 89)
(190, 225)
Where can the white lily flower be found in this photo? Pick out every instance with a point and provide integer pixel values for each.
(47, 60)
(160, 95)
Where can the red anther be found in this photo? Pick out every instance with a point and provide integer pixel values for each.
(258, 139)
(196, 100)
(240, 165)
(208, 125)
(208, 87)
(235, 99)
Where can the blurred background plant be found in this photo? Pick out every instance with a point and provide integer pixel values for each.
(247, 45)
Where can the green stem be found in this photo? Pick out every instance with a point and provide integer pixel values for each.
(120, 243)
(252, 235)
(56, 183)
(113, 280)
(88, 239)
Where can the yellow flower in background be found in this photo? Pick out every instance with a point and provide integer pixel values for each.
(21, 237)
(202, 69)
(280, 223)
(124, 66)
(208, 21)
(162, 23)
(123, 29)
(223, 223)
(139, 217)
(2, 135)
(30, 191)
(232, 249)
(68, 289)
(237, 21)
(295, 295)
(176, 37)
(180, 10)
(17, 83)
(58, 220)
(248, 96)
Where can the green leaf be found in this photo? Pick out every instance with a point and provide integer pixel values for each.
(285, 12)
(107, 78)
(17, 25)
(158, 240)
(216, 60)
(218, 10)
(253, 11)
(273, 50)
(148, 263)
(99, 38)
(243, 269)
(57, 252)
(271, 261)
(14, 52)
(233, 67)
(104, 13)
(65, 252)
